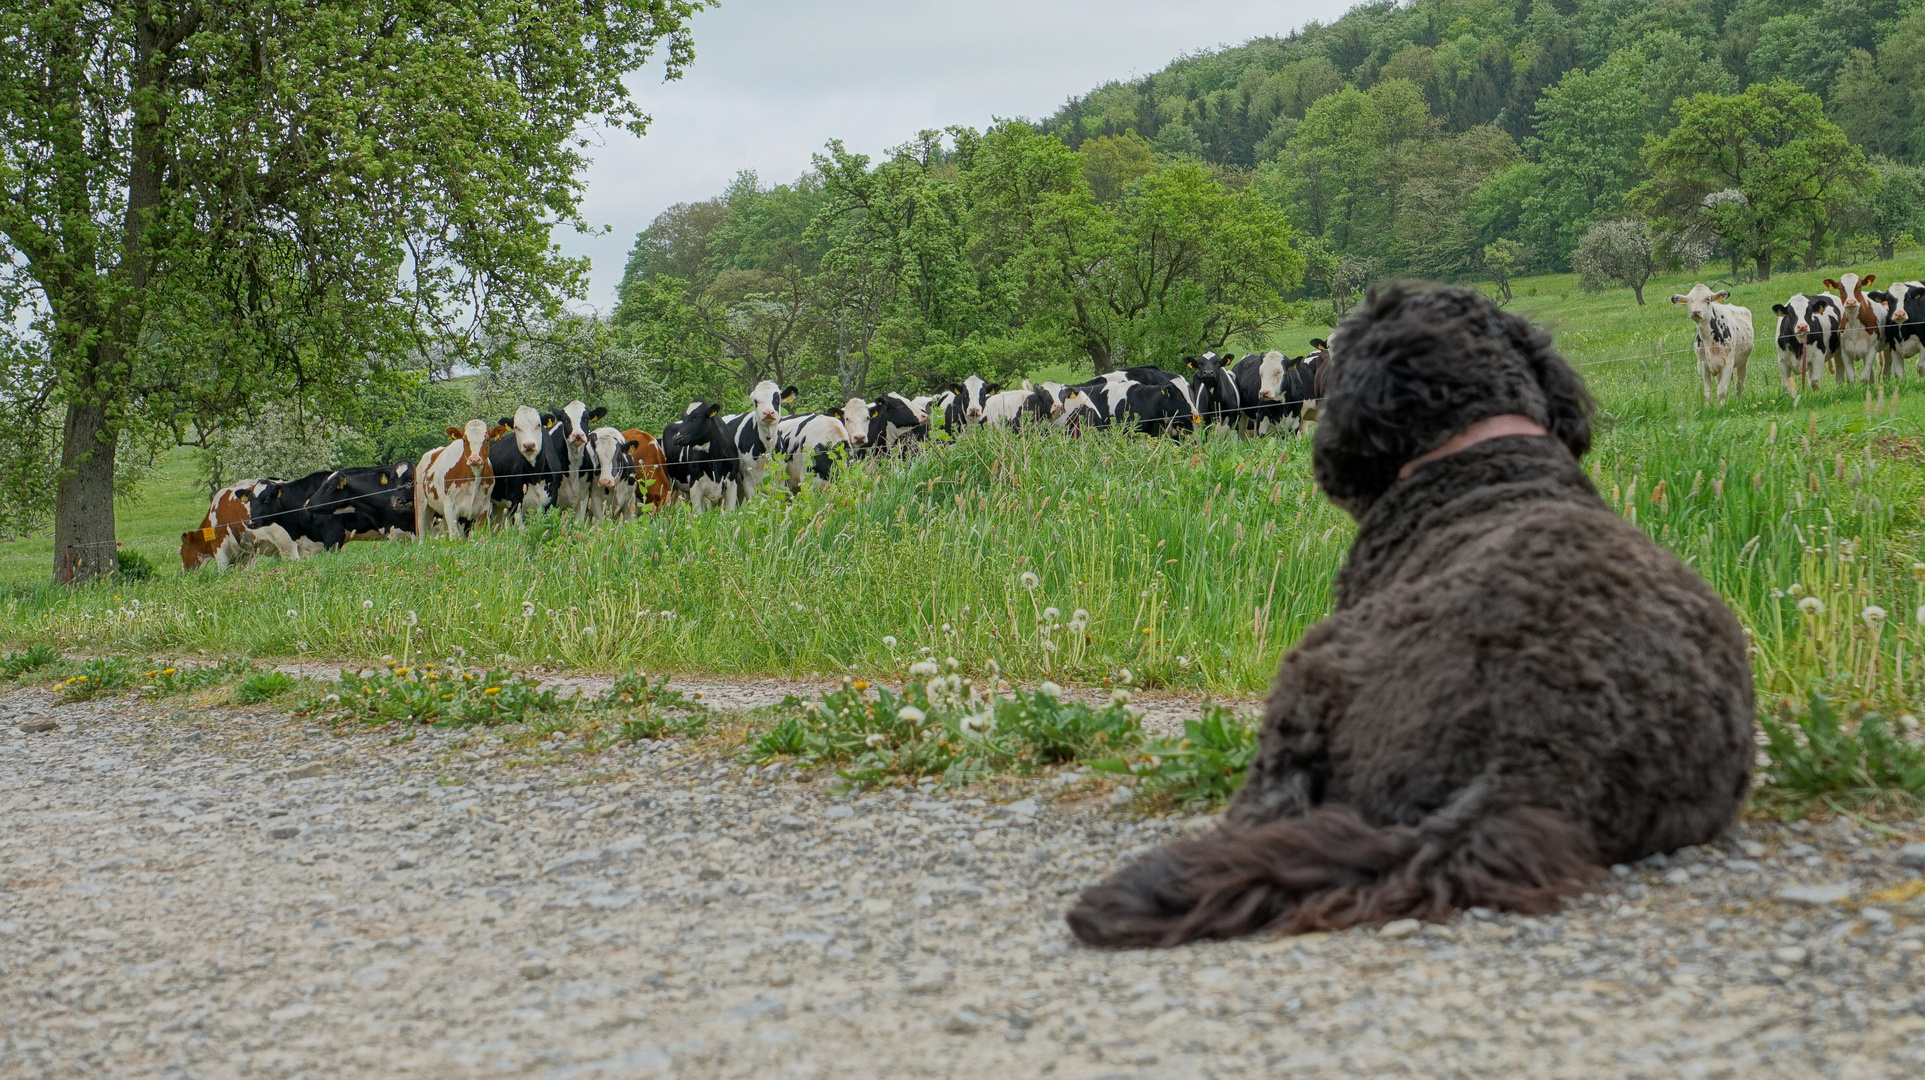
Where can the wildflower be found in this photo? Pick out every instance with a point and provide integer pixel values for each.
(1873, 615)
(1146, 630)
(859, 685)
(979, 723)
(1812, 606)
(1796, 589)
(293, 614)
(888, 641)
(1051, 614)
(911, 715)
(170, 671)
(1031, 581)
(331, 699)
(1123, 676)
(1182, 661)
(527, 609)
(402, 670)
(1079, 615)
(492, 690)
(588, 631)
(1048, 645)
(1050, 689)
(994, 669)
(876, 740)
(1119, 696)
(411, 619)
(367, 605)
(945, 628)
(922, 669)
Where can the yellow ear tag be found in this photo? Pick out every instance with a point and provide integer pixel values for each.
(384, 479)
(207, 534)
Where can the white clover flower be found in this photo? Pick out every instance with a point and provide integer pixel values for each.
(911, 715)
(367, 605)
(922, 669)
(1119, 696)
(876, 739)
(1812, 606)
(1031, 581)
(1051, 614)
(1873, 615)
(411, 619)
(1125, 677)
(1050, 689)
(293, 614)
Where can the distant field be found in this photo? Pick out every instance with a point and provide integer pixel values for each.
(1196, 563)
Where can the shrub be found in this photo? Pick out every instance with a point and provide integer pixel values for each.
(265, 686)
(173, 679)
(1198, 771)
(133, 566)
(28, 660)
(100, 677)
(1816, 756)
(445, 697)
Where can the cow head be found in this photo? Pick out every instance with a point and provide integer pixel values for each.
(1850, 289)
(527, 427)
(765, 403)
(972, 393)
(1699, 300)
(474, 437)
(574, 420)
(1903, 296)
(1270, 376)
(894, 410)
(855, 415)
(609, 447)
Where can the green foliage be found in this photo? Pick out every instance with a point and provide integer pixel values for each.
(653, 709)
(100, 677)
(1200, 770)
(264, 686)
(942, 727)
(134, 566)
(170, 680)
(443, 696)
(1815, 755)
(28, 660)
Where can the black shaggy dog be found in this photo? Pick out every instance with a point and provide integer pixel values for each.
(1515, 687)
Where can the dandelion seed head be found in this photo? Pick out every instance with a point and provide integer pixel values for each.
(1031, 581)
(1050, 689)
(911, 715)
(922, 669)
(293, 614)
(367, 605)
(1119, 697)
(1812, 606)
(876, 740)
(1873, 615)
(1051, 614)
(888, 641)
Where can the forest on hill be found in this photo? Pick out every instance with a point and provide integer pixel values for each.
(1242, 189)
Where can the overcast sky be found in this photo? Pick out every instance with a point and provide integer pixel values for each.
(774, 80)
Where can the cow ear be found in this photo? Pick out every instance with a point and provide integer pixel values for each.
(715, 410)
(456, 433)
(1777, 309)
(1721, 297)
(1677, 298)
(1868, 279)
(1319, 343)
(634, 445)
(788, 393)
(596, 413)
(1830, 284)
(955, 388)
(993, 388)
(505, 422)
(1189, 361)
(875, 410)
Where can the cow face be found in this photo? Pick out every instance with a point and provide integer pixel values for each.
(527, 427)
(609, 446)
(474, 437)
(1699, 300)
(1907, 302)
(971, 394)
(1850, 289)
(855, 415)
(765, 402)
(575, 419)
(1270, 376)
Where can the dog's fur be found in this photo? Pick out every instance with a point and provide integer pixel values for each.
(1515, 686)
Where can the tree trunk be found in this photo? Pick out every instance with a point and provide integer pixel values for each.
(1764, 267)
(1815, 251)
(83, 532)
(1637, 290)
(1886, 249)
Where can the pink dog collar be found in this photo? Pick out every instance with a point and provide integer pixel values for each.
(1491, 427)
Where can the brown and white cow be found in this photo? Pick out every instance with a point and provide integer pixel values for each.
(1723, 343)
(454, 482)
(651, 474)
(1861, 339)
(224, 538)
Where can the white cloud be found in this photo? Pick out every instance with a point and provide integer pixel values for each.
(774, 80)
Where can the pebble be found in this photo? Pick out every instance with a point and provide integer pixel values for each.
(1815, 895)
(1400, 928)
(1913, 855)
(694, 934)
(36, 724)
(282, 830)
(1791, 954)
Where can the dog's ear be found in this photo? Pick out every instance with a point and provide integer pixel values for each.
(1566, 401)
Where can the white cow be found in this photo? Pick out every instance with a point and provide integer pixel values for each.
(1905, 326)
(613, 496)
(1861, 337)
(1723, 343)
(753, 433)
(808, 443)
(454, 482)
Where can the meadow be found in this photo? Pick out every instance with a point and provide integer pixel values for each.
(1193, 564)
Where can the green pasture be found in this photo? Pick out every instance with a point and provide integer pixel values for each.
(1193, 564)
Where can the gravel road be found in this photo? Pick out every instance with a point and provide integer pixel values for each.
(227, 892)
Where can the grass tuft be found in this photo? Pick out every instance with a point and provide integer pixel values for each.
(1844, 762)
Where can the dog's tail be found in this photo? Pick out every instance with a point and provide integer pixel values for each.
(1331, 870)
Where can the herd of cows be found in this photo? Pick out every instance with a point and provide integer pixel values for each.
(493, 473)
(1856, 333)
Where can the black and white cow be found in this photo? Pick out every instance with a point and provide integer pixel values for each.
(284, 503)
(1031, 404)
(1218, 400)
(966, 407)
(571, 468)
(1905, 327)
(1808, 339)
(1260, 385)
(703, 465)
(377, 500)
(753, 433)
(895, 424)
(809, 443)
(516, 459)
(1154, 408)
(613, 497)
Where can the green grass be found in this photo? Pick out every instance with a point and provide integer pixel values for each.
(168, 504)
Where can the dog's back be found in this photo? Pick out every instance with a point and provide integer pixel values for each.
(1516, 685)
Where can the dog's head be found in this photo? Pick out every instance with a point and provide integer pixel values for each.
(1418, 363)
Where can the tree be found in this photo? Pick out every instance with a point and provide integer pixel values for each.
(1892, 208)
(1756, 169)
(1112, 162)
(219, 202)
(1619, 252)
(1504, 260)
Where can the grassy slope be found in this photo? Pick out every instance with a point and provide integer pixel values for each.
(1219, 548)
(167, 505)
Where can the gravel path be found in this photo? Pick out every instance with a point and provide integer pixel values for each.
(237, 893)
